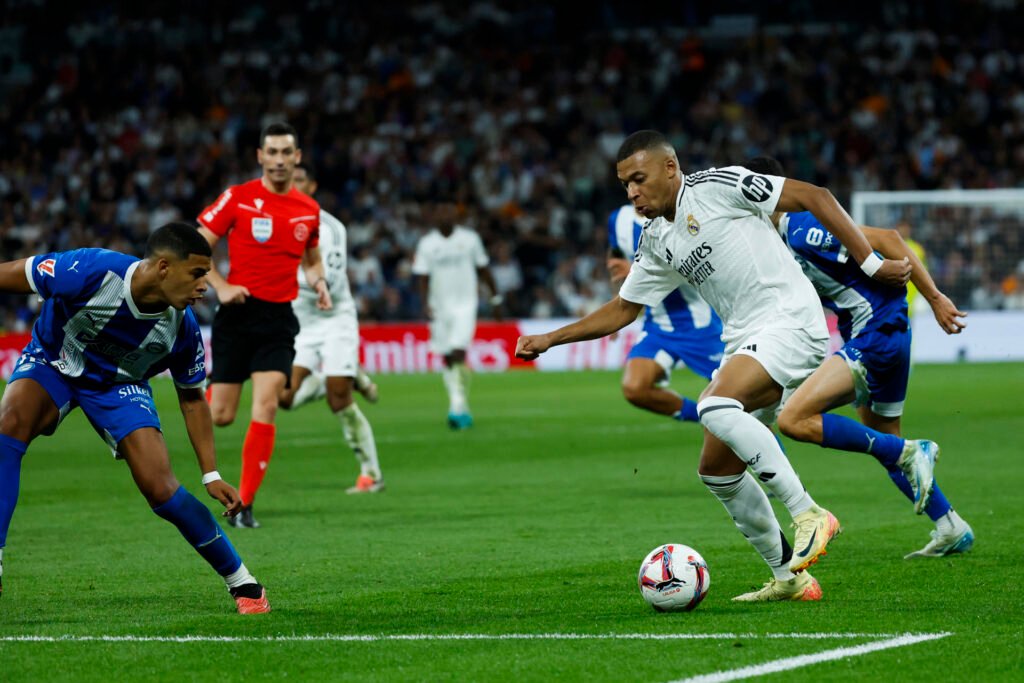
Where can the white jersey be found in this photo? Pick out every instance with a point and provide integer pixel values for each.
(723, 243)
(450, 263)
(334, 256)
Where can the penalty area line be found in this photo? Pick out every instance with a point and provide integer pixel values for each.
(893, 639)
(788, 663)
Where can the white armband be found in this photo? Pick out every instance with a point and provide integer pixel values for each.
(211, 477)
(871, 264)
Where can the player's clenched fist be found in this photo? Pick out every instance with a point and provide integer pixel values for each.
(894, 273)
(530, 346)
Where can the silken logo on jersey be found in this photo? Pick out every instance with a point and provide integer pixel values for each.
(262, 229)
(757, 188)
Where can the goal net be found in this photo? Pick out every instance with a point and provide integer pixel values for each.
(973, 242)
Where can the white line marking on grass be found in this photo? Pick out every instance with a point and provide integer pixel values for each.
(372, 638)
(788, 663)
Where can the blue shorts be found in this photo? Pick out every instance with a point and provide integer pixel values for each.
(880, 363)
(114, 411)
(697, 350)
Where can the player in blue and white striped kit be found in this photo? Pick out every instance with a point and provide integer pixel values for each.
(873, 367)
(109, 322)
(683, 330)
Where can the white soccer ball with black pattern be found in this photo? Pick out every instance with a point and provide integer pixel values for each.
(674, 578)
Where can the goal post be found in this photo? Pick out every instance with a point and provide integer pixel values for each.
(973, 242)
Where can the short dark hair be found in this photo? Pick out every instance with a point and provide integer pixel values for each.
(642, 140)
(180, 239)
(765, 166)
(309, 171)
(278, 128)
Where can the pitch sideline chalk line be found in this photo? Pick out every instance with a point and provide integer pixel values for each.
(788, 663)
(888, 640)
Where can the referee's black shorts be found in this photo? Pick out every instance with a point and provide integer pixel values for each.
(255, 336)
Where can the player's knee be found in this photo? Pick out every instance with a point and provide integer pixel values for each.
(339, 400)
(636, 392)
(222, 417)
(794, 426)
(716, 413)
(158, 489)
(15, 425)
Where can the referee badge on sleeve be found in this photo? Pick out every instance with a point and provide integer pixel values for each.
(262, 229)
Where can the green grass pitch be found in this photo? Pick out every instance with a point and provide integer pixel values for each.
(534, 522)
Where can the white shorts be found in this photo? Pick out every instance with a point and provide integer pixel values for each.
(329, 344)
(452, 329)
(789, 356)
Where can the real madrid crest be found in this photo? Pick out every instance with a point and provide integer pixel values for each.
(692, 226)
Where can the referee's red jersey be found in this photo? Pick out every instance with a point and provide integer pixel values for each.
(267, 234)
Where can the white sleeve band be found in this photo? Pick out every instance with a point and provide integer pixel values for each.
(871, 264)
(210, 477)
(28, 273)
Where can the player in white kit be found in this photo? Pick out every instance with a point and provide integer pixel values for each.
(327, 348)
(711, 229)
(448, 260)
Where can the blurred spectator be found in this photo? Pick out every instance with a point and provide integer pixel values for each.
(518, 111)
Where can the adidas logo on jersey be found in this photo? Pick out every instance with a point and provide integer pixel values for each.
(749, 347)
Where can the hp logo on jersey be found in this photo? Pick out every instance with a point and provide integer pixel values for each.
(756, 188)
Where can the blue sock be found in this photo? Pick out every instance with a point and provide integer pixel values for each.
(196, 523)
(849, 435)
(937, 506)
(11, 452)
(688, 413)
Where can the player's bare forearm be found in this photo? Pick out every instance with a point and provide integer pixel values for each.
(13, 279)
(199, 425)
(488, 279)
(423, 287)
(890, 244)
(801, 196)
(611, 317)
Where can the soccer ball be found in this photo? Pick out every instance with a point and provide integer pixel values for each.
(674, 578)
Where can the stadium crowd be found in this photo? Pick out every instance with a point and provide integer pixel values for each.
(123, 122)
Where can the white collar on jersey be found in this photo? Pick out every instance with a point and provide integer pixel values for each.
(139, 315)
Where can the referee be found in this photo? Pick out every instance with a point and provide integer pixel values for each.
(271, 229)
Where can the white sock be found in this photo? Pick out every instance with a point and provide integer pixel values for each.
(359, 437)
(1, 561)
(454, 383)
(239, 577)
(313, 386)
(362, 379)
(755, 445)
(948, 524)
(750, 509)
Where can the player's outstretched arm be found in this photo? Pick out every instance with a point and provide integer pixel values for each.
(13, 279)
(611, 317)
(801, 196)
(199, 425)
(227, 293)
(891, 245)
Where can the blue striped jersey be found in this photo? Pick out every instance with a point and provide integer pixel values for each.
(860, 302)
(89, 328)
(683, 309)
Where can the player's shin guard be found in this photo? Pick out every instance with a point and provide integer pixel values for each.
(748, 505)
(359, 437)
(11, 452)
(757, 447)
(256, 452)
(938, 505)
(842, 433)
(196, 523)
